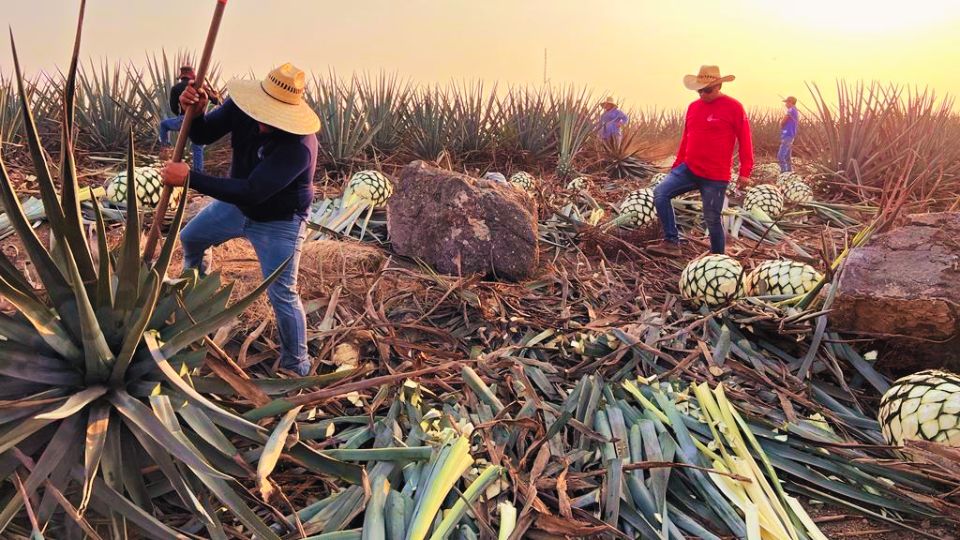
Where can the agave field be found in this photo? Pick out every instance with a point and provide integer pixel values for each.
(615, 395)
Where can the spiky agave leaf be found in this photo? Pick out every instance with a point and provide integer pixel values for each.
(98, 409)
(575, 126)
(345, 133)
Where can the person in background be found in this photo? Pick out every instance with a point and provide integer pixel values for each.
(788, 133)
(173, 123)
(714, 124)
(268, 193)
(611, 121)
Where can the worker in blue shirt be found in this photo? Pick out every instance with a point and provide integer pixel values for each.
(788, 133)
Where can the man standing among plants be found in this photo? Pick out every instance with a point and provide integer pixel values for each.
(269, 191)
(173, 123)
(788, 133)
(611, 121)
(714, 124)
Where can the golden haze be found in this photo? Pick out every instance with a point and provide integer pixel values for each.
(637, 50)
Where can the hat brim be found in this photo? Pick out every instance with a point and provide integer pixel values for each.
(298, 119)
(691, 82)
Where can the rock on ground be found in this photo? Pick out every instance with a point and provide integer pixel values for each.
(903, 287)
(463, 225)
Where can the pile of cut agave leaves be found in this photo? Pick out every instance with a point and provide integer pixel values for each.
(569, 407)
(684, 424)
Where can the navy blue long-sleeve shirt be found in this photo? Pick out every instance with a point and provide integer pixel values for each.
(271, 175)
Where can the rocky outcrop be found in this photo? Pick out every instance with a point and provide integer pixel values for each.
(904, 287)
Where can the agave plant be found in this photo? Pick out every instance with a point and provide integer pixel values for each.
(478, 119)
(345, 133)
(530, 123)
(384, 101)
(99, 413)
(9, 109)
(574, 127)
(431, 124)
(110, 107)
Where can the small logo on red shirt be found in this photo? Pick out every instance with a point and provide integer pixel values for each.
(712, 118)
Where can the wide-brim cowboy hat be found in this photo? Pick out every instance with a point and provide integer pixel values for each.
(708, 76)
(277, 100)
(608, 101)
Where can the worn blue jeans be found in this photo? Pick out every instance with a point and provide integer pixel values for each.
(682, 180)
(785, 154)
(274, 242)
(173, 124)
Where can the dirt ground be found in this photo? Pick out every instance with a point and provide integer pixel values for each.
(837, 523)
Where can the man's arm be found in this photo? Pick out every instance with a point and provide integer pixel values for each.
(274, 173)
(784, 120)
(208, 128)
(682, 151)
(745, 141)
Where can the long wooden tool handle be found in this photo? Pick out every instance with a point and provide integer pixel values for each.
(149, 250)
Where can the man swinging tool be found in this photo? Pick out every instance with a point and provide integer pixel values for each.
(268, 193)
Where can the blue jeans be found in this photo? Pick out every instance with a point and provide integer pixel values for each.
(173, 124)
(785, 154)
(681, 180)
(274, 242)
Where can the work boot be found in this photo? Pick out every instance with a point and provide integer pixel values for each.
(302, 369)
(665, 248)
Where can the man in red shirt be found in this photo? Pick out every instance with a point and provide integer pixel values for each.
(714, 123)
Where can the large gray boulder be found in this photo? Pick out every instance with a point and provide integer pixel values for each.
(463, 225)
(904, 287)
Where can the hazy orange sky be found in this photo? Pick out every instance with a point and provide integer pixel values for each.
(636, 50)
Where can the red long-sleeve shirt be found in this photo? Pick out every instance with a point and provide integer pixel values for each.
(709, 134)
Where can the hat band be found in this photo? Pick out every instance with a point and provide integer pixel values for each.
(281, 91)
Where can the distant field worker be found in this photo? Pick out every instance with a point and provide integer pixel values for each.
(788, 133)
(713, 125)
(173, 123)
(611, 121)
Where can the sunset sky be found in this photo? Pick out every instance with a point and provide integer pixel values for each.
(636, 50)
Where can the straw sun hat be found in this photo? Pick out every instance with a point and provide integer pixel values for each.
(609, 101)
(708, 76)
(277, 100)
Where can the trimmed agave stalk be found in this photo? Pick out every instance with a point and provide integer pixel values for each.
(97, 364)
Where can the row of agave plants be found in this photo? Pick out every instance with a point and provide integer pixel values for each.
(374, 117)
